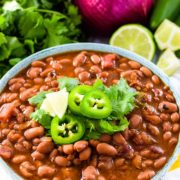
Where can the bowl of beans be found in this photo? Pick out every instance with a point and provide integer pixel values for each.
(87, 111)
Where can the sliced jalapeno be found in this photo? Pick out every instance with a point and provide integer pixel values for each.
(67, 130)
(76, 96)
(96, 105)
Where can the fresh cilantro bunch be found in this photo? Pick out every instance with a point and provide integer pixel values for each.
(29, 26)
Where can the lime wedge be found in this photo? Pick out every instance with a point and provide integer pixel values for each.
(46, 106)
(136, 38)
(56, 103)
(168, 36)
(168, 62)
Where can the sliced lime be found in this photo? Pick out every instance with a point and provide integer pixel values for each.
(168, 62)
(136, 38)
(56, 103)
(168, 36)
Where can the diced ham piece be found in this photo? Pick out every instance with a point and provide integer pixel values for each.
(108, 61)
(6, 111)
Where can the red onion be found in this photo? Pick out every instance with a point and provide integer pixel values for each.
(105, 15)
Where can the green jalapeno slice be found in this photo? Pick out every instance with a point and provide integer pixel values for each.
(76, 96)
(67, 130)
(96, 104)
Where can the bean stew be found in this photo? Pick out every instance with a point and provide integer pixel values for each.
(138, 152)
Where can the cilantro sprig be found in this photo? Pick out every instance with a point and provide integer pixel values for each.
(122, 98)
(28, 26)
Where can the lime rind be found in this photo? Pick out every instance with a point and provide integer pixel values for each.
(168, 62)
(136, 38)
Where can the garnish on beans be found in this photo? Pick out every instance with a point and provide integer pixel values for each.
(89, 112)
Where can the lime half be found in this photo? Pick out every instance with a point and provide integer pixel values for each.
(136, 38)
(168, 36)
(168, 62)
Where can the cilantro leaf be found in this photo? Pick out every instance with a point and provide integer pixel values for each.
(42, 117)
(111, 127)
(68, 83)
(92, 135)
(31, 25)
(38, 99)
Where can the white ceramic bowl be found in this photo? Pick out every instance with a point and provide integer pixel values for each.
(93, 47)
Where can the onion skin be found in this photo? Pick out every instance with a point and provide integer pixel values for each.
(106, 15)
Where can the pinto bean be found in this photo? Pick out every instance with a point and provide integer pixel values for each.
(34, 132)
(158, 163)
(95, 59)
(147, 163)
(94, 142)
(166, 106)
(164, 117)
(170, 97)
(153, 129)
(155, 79)
(156, 149)
(13, 136)
(175, 127)
(146, 175)
(6, 152)
(15, 80)
(85, 154)
(80, 59)
(146, 71)
(46, 72)
(135, 120)
(173, 141)
(134, 64)
(167, 135)
(53, 154)
(80, 145)
(123, 66)
(145, 153)
(38, 64)
(28, 93)
(27, 111)
(37, 155)
(23, 146)
(6, 142)
(34, 72)
(38, 80)
(106, 149)
(90, 173)
(149, 85)
(45, 147)
(105, 163)
(167, 126)
(118, 139)
(8, 97)
(46, 171)
(154, 119)
(78, 70)
(61, 161)
(119, 162)
(175, 117)
(68, 148)
(95, 69)
(84, 76)
(27, 169)
(17, 159)
(105, 138)
(137, 161)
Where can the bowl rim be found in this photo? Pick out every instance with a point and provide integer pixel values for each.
(101, 48)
